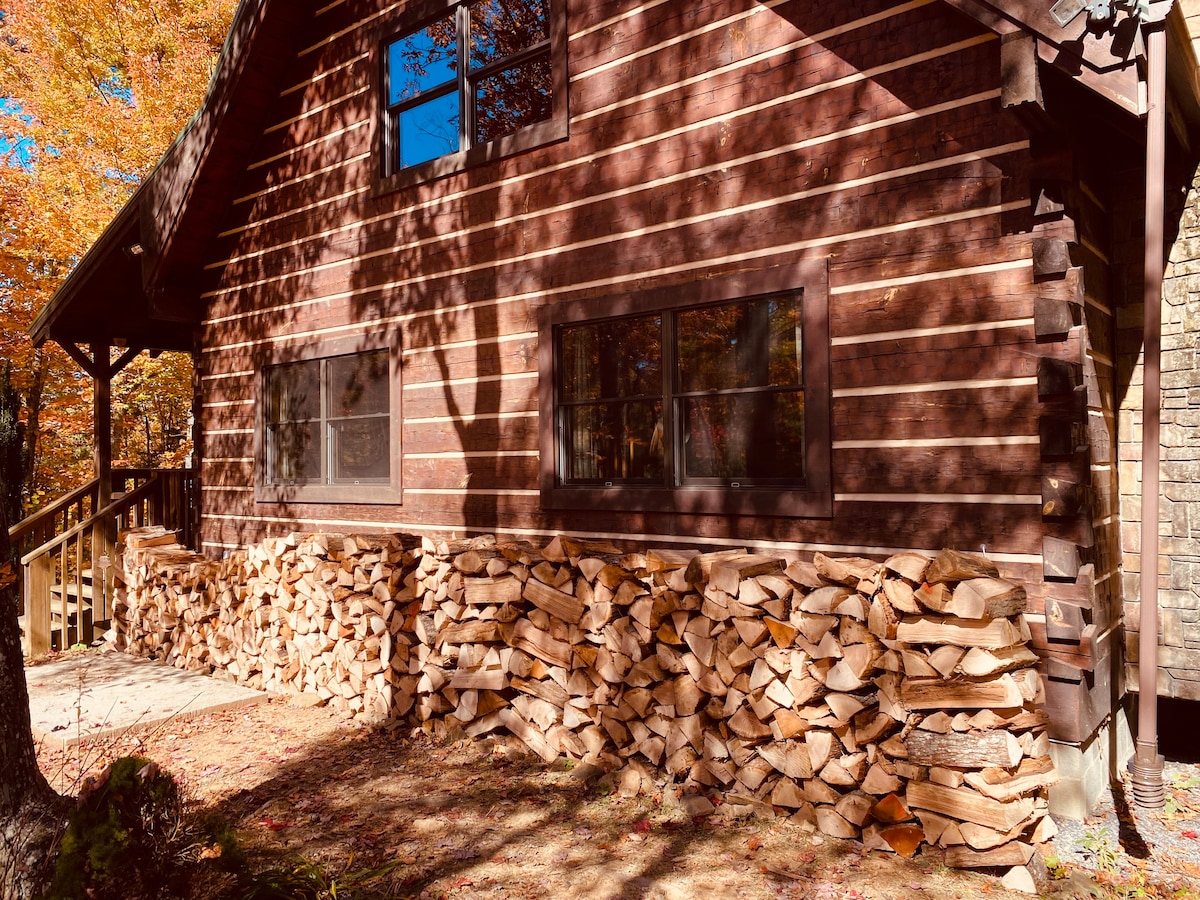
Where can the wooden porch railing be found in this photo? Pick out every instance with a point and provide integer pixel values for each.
(68, 548)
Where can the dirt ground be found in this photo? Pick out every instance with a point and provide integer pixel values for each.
(483, 819)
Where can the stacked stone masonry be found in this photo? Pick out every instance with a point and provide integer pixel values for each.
(896, 702)
(1179, 514)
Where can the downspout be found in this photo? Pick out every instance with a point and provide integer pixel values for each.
(1147, 764)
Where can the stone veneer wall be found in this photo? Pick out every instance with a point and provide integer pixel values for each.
(1179, 515)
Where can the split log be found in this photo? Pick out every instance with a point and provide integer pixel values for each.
(968, 751)
(1032, 775)
(555, 602)
(993, 634)
(986, 598)
(955, 565)
(1003, 692)
(728, 572)
(979, 662)
(1016, 853)
(967, 805)
(904, 839)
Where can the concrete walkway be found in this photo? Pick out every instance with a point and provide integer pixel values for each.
(91, 694)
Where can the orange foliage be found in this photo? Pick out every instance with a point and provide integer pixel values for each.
(96, 90)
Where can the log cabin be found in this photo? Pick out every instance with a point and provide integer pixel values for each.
(795, 276)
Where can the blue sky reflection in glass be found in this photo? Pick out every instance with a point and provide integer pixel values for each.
(426, 63)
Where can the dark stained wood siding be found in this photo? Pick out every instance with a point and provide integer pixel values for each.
(705, 139)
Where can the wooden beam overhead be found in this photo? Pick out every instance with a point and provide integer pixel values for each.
(124, 359)
(80, 356)
(1019, 81)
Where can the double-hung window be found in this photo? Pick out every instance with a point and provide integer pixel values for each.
(479, 79)
(330, 428)
(704, 398)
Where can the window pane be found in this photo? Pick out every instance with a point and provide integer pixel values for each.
(358, 384)
(294, 392)
(500, 28)
(429, 130)
(294, 454)
(746, 437)
(614, 359)
(513, 98)
(422, 60)
(739, 345)
(614, 442)
(360, 449)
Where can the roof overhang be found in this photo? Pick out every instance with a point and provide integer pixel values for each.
(1110, 61)
(106, 297)
(137, 286)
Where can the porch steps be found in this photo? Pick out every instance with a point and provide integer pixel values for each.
(79, 597)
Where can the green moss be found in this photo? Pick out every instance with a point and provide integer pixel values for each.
(120, 840)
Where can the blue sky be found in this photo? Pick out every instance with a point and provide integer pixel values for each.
(15, 150)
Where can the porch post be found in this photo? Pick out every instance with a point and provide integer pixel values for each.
(103, 543)
(102, 418)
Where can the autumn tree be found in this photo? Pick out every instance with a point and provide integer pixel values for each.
(92, 92)
(150, 425)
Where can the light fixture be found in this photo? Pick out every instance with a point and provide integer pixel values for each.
(1064, 12)
(135, 249)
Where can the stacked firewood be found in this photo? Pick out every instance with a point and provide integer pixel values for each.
(895, 702)
(976, 750)
(311, 615)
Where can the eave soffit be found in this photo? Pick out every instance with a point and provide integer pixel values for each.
(1109, 61)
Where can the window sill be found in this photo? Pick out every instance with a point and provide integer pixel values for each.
(802, 503)
(374, 494)
(528, 138)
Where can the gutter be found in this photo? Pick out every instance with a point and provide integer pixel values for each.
(1146, 766)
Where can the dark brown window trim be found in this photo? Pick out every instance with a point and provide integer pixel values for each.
(391, 493)
(539, 134)
(814, 500)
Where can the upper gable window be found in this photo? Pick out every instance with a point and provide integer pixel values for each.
(482, 79)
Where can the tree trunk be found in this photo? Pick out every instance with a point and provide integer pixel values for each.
(33, 412)
(31, 814)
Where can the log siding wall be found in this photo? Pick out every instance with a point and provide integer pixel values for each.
(705, 141)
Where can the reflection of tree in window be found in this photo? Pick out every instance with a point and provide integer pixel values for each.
(293, 423)
(328, 420)
(612, 392)
(735, 396)
(358, 417)
(740, 388)
(436, 108)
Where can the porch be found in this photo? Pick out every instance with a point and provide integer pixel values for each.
(68, 550)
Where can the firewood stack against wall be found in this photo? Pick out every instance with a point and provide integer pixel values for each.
(895, 703)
